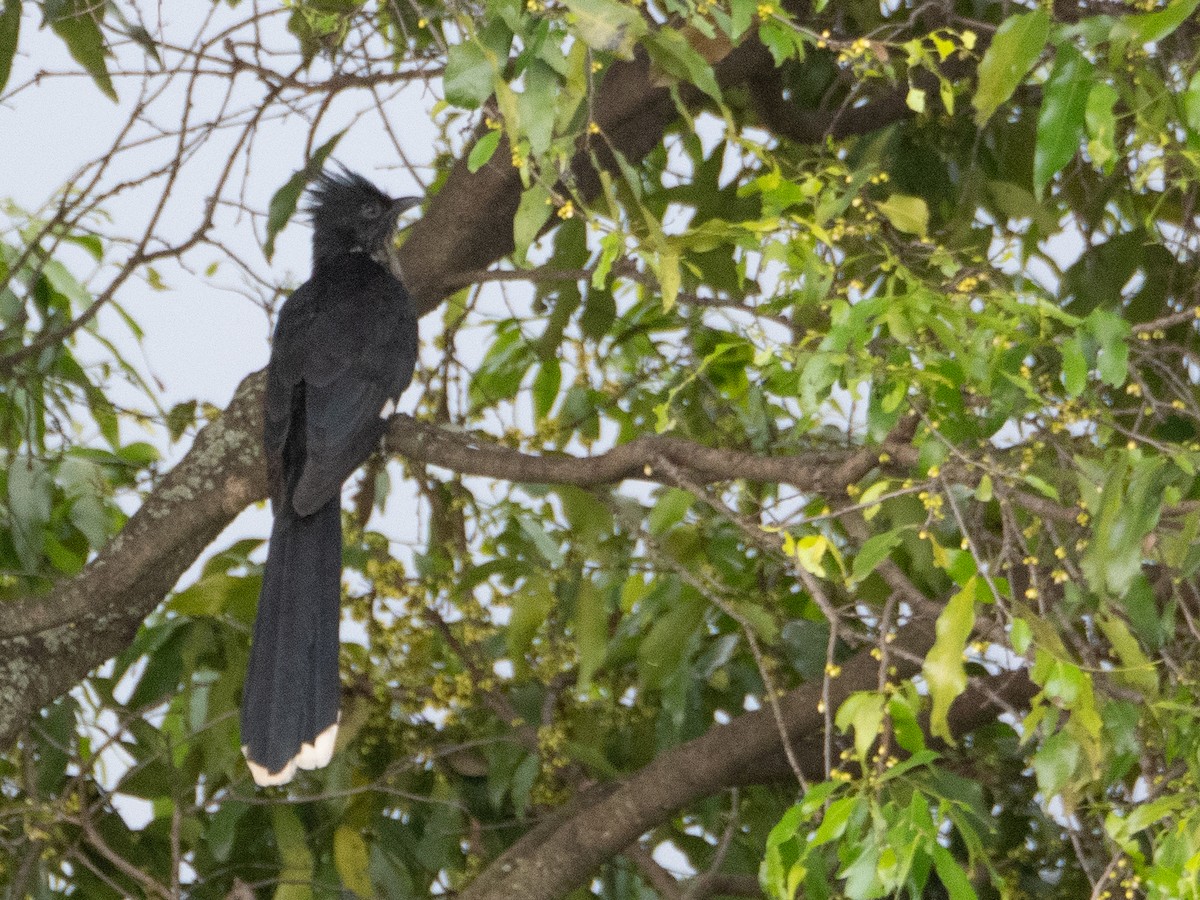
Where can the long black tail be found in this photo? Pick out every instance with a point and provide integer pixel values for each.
(290, 702)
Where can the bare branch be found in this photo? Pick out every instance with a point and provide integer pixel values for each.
(815, 471)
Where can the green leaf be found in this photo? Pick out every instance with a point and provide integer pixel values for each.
(782, 40)
(222, 828)
(915, 100)
(861, 875)
(611, 246)
(663, 648)
(296, 860)
(952, 876)
(1101, 124)
(498, 377)
(530, 607)
(1061, 120)
(669, 277)
(65, 283)
(669, 510)
(1122, 829)
(862, 711)
(672, 54)
(77, 22)
(946, 92)
(89, 242)
(352, 860)
(1021, 636)
(874, 551)
(1110, 331)
(522, 782)
(741, 15)
(1191, 103)
(1137, 670)
(906, 213)
(536, 105)
(470, 75)
(588, 518)
(1055, 763)
(806, 642)
(1041, 485)
(215, 593)
(29, 502)
(140, 36)
(546, 545)
(1121, 517)
(814, 798)
(10, 29)
(545, 387)
(984, 491)
(870, 495)
(782, 871)
(1064, 682)
(181, 417)
(608, 26)
(907, 729)
(591, 631)
(836, 818)
(283, 203)
(943, 667)
(1153, 27)
(809, 552)
(1075, 367)
(139, 453)
(91, 518)
(1013, 52)
(532, 213)
(483, 150)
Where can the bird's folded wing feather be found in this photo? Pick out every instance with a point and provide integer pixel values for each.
(349, 378)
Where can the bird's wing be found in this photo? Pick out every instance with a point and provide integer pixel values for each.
(285, 374)
(362, 358)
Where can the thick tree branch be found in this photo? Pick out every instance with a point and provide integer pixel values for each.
(649, 458)
(222, 475)
(48, 643)
(549, 862)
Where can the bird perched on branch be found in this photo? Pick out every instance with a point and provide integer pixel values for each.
(344, 350)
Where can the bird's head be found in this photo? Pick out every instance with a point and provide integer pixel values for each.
(351, 215)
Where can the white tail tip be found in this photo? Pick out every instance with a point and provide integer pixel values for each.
(312, 755)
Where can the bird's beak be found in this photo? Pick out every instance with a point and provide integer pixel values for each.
(404, 204)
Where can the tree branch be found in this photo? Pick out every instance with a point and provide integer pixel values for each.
(649, 458)
(222, 474)
(48, 643)
(550, 863)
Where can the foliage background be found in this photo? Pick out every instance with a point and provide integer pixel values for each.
(803, 460)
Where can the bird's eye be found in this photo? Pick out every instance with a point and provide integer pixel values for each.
(371, 210)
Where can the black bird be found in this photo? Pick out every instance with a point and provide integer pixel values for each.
(344, 350)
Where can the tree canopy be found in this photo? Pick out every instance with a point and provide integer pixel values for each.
(805, 457)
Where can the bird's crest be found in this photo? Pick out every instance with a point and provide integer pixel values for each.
(351, 215)
(341, 191)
